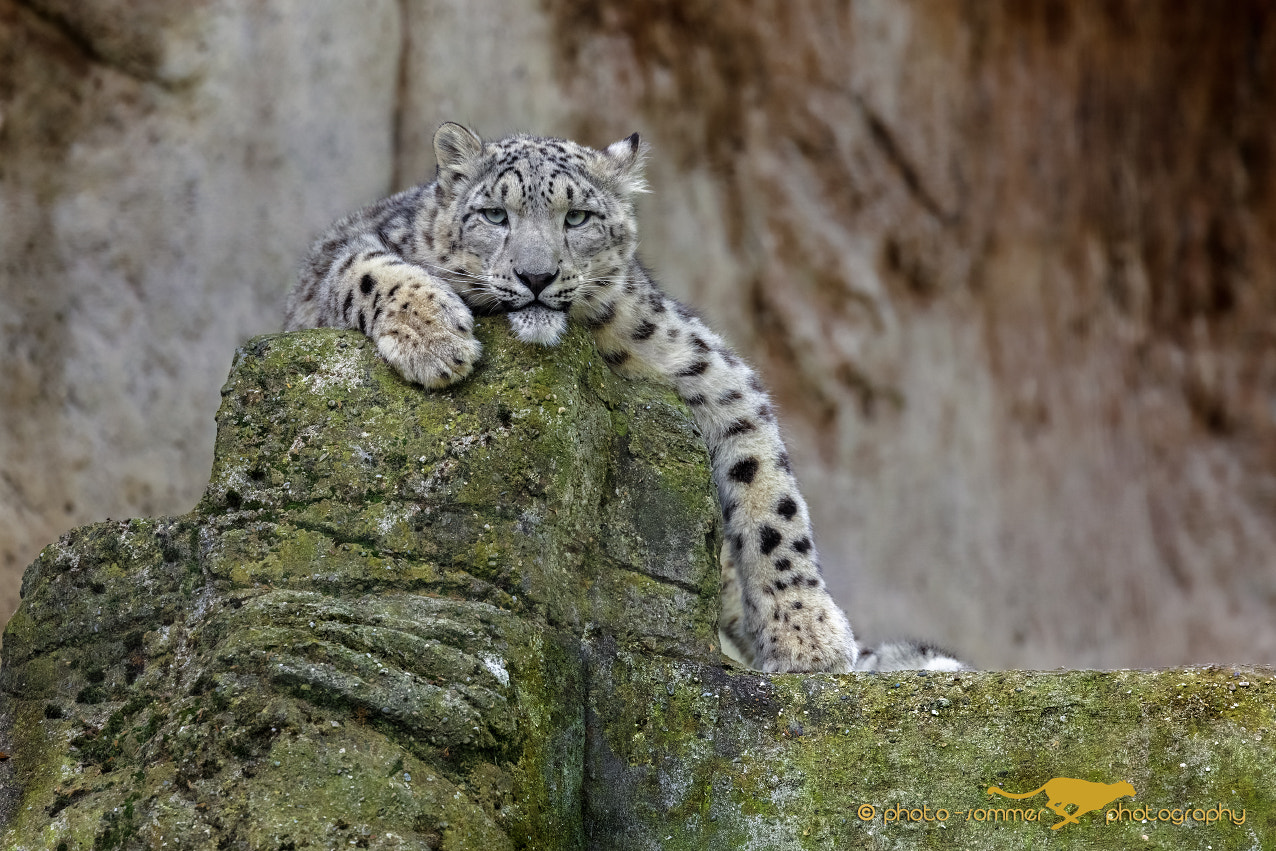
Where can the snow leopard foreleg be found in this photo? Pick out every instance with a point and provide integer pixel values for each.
(786, 619)
(361, 280)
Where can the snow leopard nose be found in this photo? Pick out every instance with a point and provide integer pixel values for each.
(537, 281)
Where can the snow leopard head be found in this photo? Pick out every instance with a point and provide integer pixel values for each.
(537, 228)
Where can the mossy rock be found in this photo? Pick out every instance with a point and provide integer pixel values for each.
(485, 618)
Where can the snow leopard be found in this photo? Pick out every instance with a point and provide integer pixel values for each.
(544, 230)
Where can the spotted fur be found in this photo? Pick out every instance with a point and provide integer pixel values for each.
(899, 655)
(544, 230)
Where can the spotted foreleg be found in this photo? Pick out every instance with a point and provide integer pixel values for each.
(785, 619)
(789, 616)
(421, 327)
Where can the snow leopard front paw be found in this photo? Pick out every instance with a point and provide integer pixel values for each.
(815, 639)
(426, 332)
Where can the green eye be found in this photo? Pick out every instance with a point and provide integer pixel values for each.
(576, 218)
(495, 215)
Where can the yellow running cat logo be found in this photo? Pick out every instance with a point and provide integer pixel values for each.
(1067, 791)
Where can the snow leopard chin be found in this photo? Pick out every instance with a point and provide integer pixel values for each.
(541, 326)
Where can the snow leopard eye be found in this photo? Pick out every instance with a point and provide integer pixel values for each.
(495, 215)
(576, 218)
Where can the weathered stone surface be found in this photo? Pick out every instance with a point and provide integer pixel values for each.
(690, 756)
(484, 618)
(376, 620)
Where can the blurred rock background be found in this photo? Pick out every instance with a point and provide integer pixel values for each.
(1009, 267)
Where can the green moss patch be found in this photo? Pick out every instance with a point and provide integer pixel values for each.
(486, 618)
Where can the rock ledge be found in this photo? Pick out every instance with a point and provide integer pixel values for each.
(485, 618)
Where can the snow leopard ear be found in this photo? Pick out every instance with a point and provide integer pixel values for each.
(455, 148)
(628, 158)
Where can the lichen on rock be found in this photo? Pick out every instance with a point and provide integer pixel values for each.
(485, 618)
(371, 628)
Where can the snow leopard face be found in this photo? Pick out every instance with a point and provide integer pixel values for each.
(537, 228)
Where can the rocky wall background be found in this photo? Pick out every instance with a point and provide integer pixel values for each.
(1009, 267)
